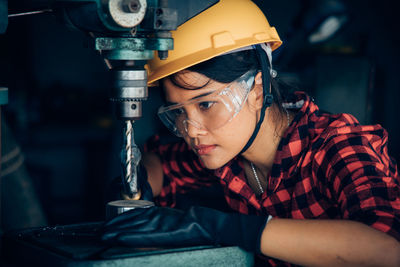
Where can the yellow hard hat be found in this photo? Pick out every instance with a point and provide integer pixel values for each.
(226, 26)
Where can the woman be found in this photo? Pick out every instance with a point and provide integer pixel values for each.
(307, 187)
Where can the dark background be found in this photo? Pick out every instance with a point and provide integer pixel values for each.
(60, 116)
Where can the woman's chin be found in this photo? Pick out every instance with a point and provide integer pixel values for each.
(211, 163)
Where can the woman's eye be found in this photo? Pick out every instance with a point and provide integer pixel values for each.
(178, 111)
(206, 105)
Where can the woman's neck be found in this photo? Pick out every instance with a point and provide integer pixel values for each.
(262, 152)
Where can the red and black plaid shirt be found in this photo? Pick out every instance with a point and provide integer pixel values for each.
(326, 167)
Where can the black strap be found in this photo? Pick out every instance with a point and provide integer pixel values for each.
(268, 98)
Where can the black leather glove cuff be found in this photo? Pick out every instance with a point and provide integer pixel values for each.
(233, 229)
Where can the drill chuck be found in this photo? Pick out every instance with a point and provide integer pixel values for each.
(130, 90)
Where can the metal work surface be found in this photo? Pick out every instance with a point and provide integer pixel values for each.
(78, 245)
(185, 257)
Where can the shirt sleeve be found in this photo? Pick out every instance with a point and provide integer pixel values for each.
(363, 178)
(182, 169)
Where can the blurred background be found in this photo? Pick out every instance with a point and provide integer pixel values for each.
(61, 141)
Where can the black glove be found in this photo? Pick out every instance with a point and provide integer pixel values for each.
(116, 189)
(166, 227)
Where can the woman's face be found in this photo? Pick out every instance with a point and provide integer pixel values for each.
(218, 146)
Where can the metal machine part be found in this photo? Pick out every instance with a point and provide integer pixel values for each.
(130, 90)
(127, 13)
(130, 158)
(119, 206)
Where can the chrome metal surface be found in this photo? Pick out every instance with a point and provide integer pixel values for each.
(117, 207)
(121, 12)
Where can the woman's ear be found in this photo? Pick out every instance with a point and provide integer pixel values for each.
(256, 96)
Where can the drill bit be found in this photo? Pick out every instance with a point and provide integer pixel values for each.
(130, 159)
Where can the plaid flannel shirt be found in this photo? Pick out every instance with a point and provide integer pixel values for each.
(326, 167)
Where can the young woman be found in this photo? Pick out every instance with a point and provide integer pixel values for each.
(305, 187)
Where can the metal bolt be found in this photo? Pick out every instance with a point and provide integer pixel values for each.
(158, 23)
(162, 54)
(131, 6)
(133, 31)
(159, 12)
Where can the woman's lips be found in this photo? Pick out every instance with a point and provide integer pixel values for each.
(204, 149)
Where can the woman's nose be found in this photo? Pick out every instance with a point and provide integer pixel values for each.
(193, 128)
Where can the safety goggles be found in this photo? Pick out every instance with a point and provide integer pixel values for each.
(208, 111)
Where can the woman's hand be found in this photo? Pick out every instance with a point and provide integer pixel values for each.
(157, 226)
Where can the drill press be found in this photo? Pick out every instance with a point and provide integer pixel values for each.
(126, 33)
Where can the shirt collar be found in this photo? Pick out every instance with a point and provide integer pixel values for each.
(295, 141)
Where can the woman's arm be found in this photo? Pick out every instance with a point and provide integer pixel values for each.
(329, 243)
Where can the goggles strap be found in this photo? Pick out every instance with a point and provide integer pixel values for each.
(265, 58)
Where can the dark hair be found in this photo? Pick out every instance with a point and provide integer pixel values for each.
(227, 68)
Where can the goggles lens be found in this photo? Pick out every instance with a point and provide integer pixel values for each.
(210, 111)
